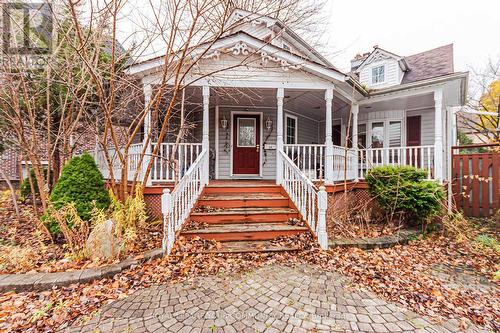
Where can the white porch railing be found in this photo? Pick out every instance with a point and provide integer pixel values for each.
(134, 154)
(176, 206)
(416, 156)
(310, 158)
(341, 170)
(310, 202)
(173, 159)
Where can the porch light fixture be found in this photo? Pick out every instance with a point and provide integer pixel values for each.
(223, 122)
(269, 124)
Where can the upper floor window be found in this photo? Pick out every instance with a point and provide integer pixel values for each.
(378, 74)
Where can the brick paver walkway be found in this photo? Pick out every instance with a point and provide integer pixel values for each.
(270, 299)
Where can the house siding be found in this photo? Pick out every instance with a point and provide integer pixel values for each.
(427, 125)
(268, 158)
(393, 73)
(251, 70)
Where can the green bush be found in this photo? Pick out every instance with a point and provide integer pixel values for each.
(25, 185)
(80, 183)
(404, 190)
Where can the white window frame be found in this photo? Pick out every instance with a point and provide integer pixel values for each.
(386, 122)
(296, 135)
(374, 76)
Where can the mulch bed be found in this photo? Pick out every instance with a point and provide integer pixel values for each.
(30, 250)
(401, 274)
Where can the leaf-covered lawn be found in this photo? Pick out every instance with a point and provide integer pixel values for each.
(402, 274)
(24, 248)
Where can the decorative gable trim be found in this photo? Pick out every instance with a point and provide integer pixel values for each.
(248, 17)
(148, 67)
(241, 48)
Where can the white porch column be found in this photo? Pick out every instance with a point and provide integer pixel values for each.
(148, 90)
(279, 133)
(438, 134)
(328, 138)
(355, 111)
(205, 143)
(216, 128)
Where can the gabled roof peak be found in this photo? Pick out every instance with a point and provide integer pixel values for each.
(361, 60)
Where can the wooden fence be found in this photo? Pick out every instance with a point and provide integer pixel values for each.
(476, 181)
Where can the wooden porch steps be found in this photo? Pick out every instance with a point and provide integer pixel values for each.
(245, 216)
(250, 246)
(245, 231)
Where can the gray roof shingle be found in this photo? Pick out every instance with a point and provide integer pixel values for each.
(429, 64)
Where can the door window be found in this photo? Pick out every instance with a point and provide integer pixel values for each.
(246, 132)
(362, 136)
(378, 135)
(395, 134)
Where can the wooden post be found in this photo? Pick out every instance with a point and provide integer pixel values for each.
(205, 141)
(166, 208)
(280, 94)
(147, 128)
(355, 111)
(322, 206)
(438, 134)
(328, 138)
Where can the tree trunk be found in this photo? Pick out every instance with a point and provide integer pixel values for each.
(12, 193)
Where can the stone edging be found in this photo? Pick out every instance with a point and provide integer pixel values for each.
(44, 281)
(402, 237)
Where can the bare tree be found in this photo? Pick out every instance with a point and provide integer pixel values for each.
(85, 85)
(186, 31)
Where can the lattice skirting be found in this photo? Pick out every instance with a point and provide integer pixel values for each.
(353, 202)
(153, 205)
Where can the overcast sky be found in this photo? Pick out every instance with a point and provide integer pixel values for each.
(407, 27)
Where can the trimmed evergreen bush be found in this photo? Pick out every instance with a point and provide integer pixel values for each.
(81, 183)
(404, 190)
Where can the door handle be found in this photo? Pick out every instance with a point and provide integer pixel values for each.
(258, 147)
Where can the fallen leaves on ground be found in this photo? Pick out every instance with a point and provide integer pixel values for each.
(402, 274)
(23, 248)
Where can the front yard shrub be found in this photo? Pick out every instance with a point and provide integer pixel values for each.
(81, 183)
(128, 216)
(404, 190)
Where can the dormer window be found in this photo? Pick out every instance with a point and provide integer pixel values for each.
(286, 47)
(378, 74)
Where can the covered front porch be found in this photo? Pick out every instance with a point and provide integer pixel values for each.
(245, 129)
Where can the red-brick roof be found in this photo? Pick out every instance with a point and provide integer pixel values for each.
(429, 64)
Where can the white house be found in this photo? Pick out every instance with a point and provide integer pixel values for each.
(286, 113)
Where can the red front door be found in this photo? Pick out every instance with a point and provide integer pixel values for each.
(413, 129)
(246, 144)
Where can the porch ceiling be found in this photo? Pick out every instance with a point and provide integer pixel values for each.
(310, 103)
(425, 101)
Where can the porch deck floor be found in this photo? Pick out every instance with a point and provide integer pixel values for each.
(241, 183)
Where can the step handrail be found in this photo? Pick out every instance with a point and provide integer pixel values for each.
(176, 205)
(309, 200)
